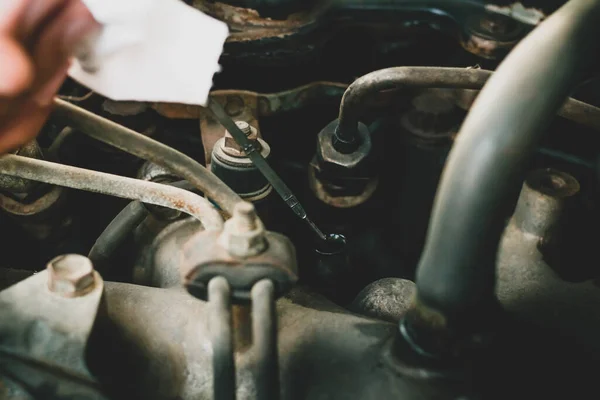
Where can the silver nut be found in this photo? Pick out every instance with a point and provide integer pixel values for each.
(71, 275)
(244, 234)
(231, 147)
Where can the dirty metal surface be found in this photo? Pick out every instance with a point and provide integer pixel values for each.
(247, 24)
(44, 346)
(204, 258)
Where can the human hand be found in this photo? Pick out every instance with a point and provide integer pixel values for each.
(37, 39)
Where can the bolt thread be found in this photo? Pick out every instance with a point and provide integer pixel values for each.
(244, 216)
(244, 127)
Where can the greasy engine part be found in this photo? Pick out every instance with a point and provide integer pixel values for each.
(239, 300)
(455, 301)
(232, 166)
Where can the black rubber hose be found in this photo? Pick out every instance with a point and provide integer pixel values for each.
(119, 229)
(116, 232)
(456, 273)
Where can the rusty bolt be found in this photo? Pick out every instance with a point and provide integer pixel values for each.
(71, 275)
(231, 147)
(244, 234)
(234, 106)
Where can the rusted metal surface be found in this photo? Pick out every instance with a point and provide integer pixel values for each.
(29, 208)
(247, 24)
(146, 148)
(100, 182)
(204, 258)
(519, 12)
(242, 104)
(342, 179)
(43, 216)
(16, 185)
(243, 234)
(491, 35)
(232, 148)
(573, 110)
(335, 195)
(249, 107)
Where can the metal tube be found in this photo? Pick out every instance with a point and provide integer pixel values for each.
(100, 182)
(146, 148)
(456, 274)
(354, 99)
(264, 336)
(219, 302)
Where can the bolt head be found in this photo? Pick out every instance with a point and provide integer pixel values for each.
(70, 275)
(243, 234)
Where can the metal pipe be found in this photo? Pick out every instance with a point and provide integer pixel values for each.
(574, 110)
(146, 148)
(219, 302)
(264, 336)
(354, 99)
(456, 274)
(119, 186)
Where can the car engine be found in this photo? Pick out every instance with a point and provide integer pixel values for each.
(384, 199)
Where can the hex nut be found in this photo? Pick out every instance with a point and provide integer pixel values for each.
(231, 147)
(70, 275)
(243, 234)
(343, 174)
(339, 164)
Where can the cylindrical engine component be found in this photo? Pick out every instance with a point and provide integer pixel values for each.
(342, 180)
(419, 149)
(14, 184)
(43, 217)
(491, 35)
(37, 208)
(231, 165)
(543, 201)
(456, 275)
(539, 256)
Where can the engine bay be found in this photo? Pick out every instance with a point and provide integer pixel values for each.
(348, 219)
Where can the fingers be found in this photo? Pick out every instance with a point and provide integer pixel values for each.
(58, 40)
(36, 16)
(37, 38)
(11, 13)
(16, 71)
(23, 126)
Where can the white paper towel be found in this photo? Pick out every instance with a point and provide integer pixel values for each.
(152, 50)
